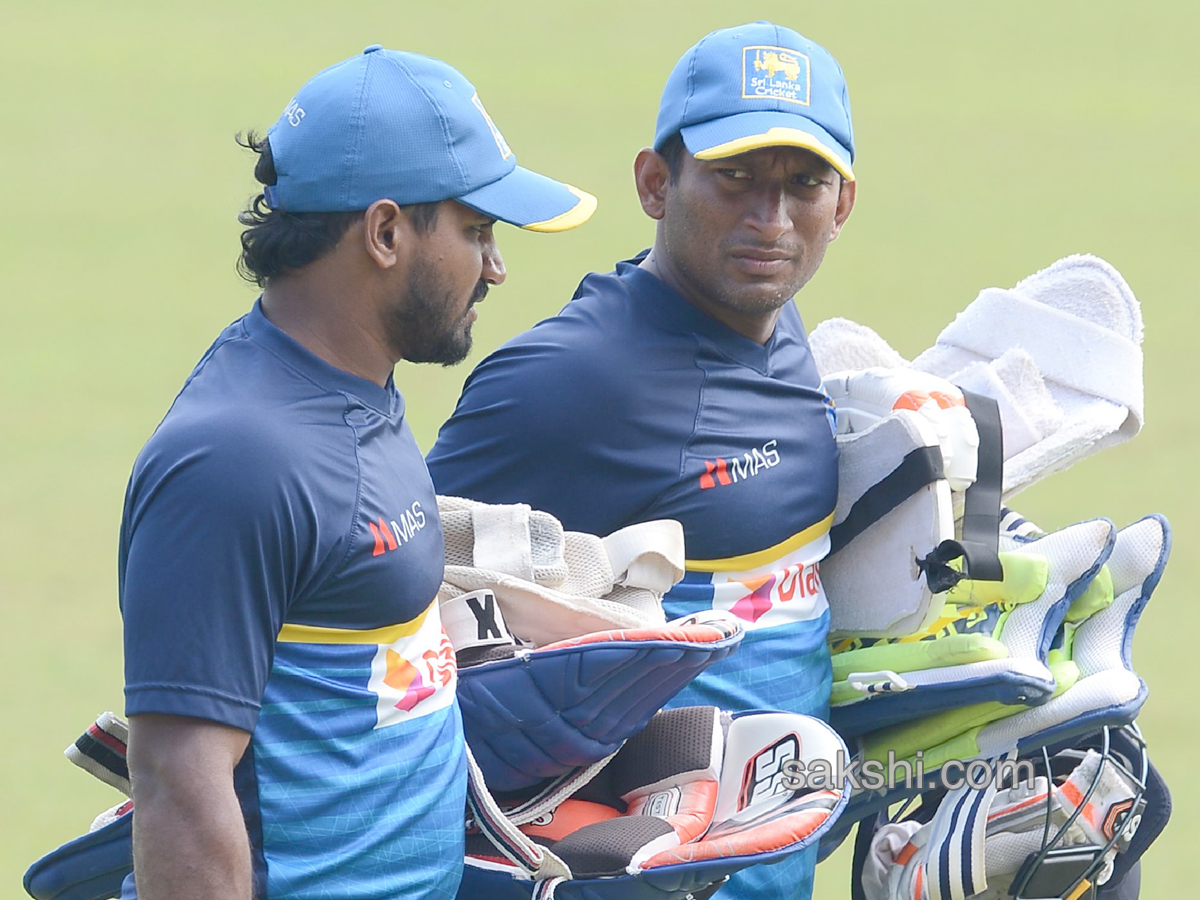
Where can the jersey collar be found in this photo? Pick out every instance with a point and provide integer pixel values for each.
(385, 400)
(677, 313)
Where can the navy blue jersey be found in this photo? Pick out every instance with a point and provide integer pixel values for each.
(632, 405)
(280, 557)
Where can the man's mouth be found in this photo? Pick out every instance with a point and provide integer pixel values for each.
(755, 261)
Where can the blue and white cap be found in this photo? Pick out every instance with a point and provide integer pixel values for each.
(754, 86)
(394, 125)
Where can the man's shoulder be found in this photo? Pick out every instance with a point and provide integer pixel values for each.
(255, 451)
(605, 331)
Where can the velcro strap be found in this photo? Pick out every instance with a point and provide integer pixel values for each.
(648, 555)
(919, 467)
(1057, 340)
(519, 849)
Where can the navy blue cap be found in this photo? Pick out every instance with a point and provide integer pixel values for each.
(758, 85)
(394, 125)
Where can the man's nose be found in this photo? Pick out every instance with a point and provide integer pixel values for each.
(493, 264)
(768, 214)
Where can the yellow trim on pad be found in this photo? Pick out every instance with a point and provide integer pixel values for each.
(318, 634)
(777, 137)
(762, 557)
(572, 218)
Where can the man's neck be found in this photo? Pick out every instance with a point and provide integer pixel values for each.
(330, 321)
(758, 326)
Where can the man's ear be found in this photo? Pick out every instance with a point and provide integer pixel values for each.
(846, 195)
(652, 176)
(386, 231)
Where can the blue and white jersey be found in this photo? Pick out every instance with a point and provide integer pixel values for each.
(632, 405)
(280, 556)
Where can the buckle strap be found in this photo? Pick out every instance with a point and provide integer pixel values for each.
(980, 543)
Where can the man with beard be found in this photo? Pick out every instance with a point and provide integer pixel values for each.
(681, 384)
(293, 728)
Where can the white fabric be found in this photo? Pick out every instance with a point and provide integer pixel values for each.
(1060, 352)
(841, 345)
(109, 816)
(756, 747)
(1082, 327)
(1071, 552)
(1107, 681)
(880, 866)
(1027, 411)
(1012, 829)
(580, 583)
(502, 539)
(474, 621)
(542, 863)
(110, 723)
(646, 556)
(863, 397)
(961, 824)
(886, 552)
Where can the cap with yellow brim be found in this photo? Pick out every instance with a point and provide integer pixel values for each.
(532, 201)
(754, 86)
(721, 138)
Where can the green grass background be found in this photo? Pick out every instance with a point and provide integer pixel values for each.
(993, 138)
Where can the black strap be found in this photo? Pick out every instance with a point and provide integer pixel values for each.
(980, 543)
(918, 468)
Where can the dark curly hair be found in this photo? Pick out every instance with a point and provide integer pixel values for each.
(275, 241)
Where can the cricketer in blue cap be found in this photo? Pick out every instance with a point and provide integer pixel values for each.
(755, 86)
(405, 127)
(291, 693)
(681, 385)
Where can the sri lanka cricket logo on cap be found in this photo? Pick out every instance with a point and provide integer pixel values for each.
(775, 73)
(505, 152)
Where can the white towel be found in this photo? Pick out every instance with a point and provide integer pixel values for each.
(1060, 352)
(1079, 324)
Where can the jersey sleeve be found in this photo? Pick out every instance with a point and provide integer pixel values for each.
(549, 426)
(214, 529)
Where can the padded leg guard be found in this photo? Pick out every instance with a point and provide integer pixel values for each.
(696, 796)
(91, 867)
(895, 681)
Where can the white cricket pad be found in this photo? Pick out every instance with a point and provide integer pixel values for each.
(552, 584)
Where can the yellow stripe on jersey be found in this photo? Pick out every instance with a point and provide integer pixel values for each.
(318, 634)
(762, 557)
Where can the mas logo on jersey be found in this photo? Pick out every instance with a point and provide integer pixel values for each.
(775, 73)
(395, 533)
(725, 471)
(765, 775)
(415, 675)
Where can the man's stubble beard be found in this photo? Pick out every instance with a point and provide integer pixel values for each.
(421, 329)
(704, 276)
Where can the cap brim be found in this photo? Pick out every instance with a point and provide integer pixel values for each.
(741, 133)
(532, 201)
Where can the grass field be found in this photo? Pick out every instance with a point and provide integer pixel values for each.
(993, 138)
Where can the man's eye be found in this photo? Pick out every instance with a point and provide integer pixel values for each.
(806, 179)
(736, 174)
